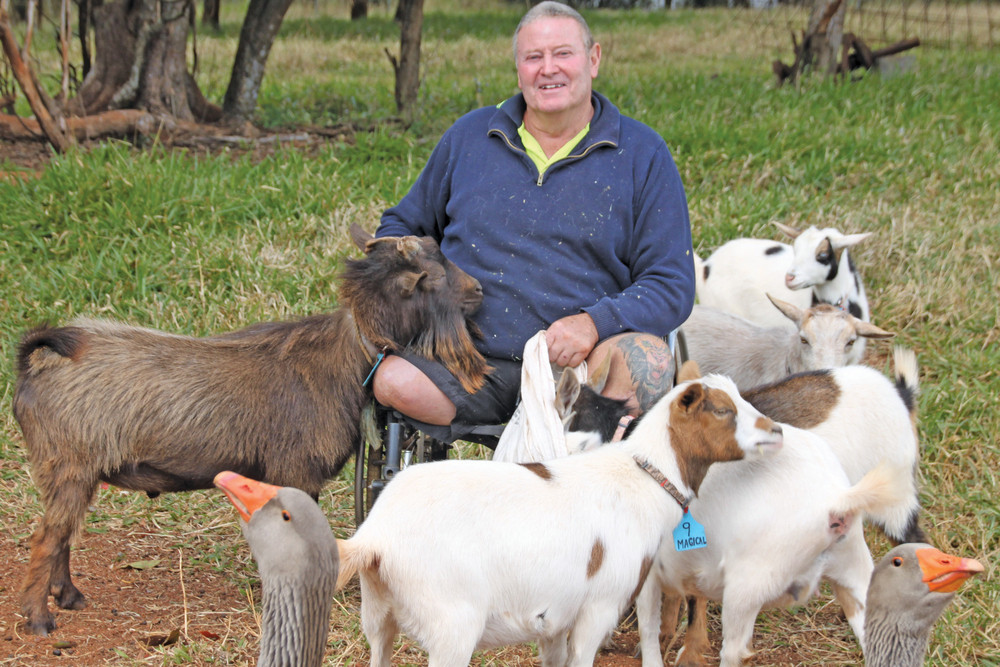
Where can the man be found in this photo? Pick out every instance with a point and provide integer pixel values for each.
(574, 219)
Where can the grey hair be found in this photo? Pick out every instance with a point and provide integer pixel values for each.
(549, 9)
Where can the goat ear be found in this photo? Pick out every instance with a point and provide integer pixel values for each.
(689, 371)
(791, 311)
(788, 229)
(692, 396)
(408, 282)
(408, 246)
(360, 237)
(848, 240)
(869, 330)
(567, 391)
(599, 377)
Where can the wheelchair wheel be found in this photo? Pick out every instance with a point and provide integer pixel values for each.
(379, 457)
(367, 469)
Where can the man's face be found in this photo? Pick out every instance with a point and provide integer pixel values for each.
(554, 69)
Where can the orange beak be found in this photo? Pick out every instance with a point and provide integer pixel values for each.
(944, 573)
(246, 495)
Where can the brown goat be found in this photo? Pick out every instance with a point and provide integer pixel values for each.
(282, 401)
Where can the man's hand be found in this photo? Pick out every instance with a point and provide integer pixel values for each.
(571, 339)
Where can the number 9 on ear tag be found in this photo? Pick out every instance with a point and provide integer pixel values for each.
(689, 534)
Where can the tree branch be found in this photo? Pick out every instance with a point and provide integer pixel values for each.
(22, 72)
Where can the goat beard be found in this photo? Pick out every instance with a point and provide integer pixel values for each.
(451, 343)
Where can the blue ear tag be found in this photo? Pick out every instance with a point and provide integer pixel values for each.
(689, 534)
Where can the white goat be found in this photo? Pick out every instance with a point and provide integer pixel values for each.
(774, 529)
(736, 277)
(825, 337)
(461, 555)
(866, 419)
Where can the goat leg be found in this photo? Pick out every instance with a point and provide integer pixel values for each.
(65, 496)
(696, 638)
(34, 597)
(669, 631)
(61, 586)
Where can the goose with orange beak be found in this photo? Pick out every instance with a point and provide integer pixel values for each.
(910, 587)
(296, 556)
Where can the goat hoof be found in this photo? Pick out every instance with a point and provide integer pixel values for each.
(688, 658)
(41, 626)
(71, 598)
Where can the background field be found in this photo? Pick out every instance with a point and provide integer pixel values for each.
(198, 241)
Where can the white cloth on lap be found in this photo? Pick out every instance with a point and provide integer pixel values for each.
(535, 432)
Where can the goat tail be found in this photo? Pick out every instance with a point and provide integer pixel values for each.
(904, 361)
(66, 342)
(354, 557)
(878, 492)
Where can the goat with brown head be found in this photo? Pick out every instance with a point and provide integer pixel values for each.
(278, 401)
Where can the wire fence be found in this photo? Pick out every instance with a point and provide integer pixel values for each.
(882, 22)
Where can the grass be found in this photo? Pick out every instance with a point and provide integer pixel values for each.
(195, 243)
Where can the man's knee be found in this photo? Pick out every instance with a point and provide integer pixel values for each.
(641, 365)
(400, 385)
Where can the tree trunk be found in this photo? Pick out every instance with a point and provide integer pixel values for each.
(256, 37)
(408, 68)
(824, 36)
(359, 9)
(141, 62)
(210, 14)
(84, 8)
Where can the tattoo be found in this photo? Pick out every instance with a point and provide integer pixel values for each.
(651, 367)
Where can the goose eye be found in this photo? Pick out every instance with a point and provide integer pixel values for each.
(897, 561)
(286, 515)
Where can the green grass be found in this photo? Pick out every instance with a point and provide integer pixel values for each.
(194, 243)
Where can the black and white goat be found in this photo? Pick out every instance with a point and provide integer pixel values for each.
(817, 268)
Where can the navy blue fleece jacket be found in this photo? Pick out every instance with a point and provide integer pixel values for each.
(604, 230)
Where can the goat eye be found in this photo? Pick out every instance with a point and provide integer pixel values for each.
(897, 561)
(286, 515)
(803, 340)
(850, 344)
(722, 412)
(823, 257)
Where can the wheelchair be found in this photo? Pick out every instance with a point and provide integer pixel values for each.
(390, 442)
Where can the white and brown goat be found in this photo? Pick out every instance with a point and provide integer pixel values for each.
(461, 555)
(770, 540)
(281, 401)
